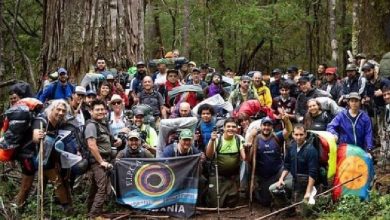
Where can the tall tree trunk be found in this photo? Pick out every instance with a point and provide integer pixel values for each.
(344, 35)
(76, 32)
(332, 30)
(186, 28)
(355, 26)
(309, 36)
(155, 31)
(13, 25)
(1, 41)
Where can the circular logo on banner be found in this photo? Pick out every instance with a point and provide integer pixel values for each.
(154, 179)
(354, 166)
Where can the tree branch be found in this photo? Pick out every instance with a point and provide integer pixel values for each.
(25, 28)
(26, 60)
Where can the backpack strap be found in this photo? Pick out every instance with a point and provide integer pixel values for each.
(219, 145)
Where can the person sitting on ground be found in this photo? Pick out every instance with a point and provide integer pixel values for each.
(134, 148)
(225, 150)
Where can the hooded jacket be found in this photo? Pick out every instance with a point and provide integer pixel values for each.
(358, 133)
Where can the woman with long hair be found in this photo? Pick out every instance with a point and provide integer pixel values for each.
(315, 118)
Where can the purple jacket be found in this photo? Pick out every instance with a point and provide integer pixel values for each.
(358, 133)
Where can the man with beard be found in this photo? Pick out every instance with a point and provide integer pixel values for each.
(99, 141)
(59, 89)
(100, 65)
(215, 87)
(183, 148)
(134, 148)
(136, 82)
(151, 97)
(242, 93)
(76, 105)
(385, 139)
(226, 151)
(263, 93)
(269, 152)
(352, 83)
(373, 101)
(48, 125)
(331, 84)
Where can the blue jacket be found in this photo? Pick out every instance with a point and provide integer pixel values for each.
(358, 133)
(56, 90)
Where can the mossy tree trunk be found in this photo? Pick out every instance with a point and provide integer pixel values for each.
(76, 32)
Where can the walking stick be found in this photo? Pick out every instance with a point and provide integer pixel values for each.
(217, 182)
(40, 178)
(251, 186)
(298, 203)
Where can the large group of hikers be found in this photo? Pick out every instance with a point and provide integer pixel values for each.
(117, 114)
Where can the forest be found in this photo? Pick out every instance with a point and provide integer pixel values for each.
(39, 36)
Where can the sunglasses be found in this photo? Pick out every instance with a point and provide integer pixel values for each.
(62, 73)
(245, 81)
(116, 103)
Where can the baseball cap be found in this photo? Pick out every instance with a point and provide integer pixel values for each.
(368, 66)
(80, 90)
(195, 70)
(140, 63)
(350, 67)
(304, 79)
(192, 63)
(245, 77)
(91, 92)
(277, 70)
(62, 70)
(267, 120)
(139, 112)
(133, 134)
(331, 70)
(292, 69)
(353, 95)
(186, 134)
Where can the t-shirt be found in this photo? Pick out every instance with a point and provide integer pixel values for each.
(206, 129)
(229, 146)
(269, 155)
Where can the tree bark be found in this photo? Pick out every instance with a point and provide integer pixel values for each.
(186, 28)
(1, 41)
(355, 27)
(332, 30)
(26, 61)
(76, 32)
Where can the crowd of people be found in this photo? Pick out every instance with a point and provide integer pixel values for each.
(294, 101)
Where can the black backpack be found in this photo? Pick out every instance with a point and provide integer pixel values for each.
(23, 89)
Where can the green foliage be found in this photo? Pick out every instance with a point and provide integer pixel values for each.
(351, 207)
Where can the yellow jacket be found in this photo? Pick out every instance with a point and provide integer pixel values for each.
(264, 95)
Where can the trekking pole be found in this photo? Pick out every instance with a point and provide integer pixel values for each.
(40, 178)
(252, 183)
(298, 203)
(217, 182)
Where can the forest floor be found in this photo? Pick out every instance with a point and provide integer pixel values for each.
(10, 181)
